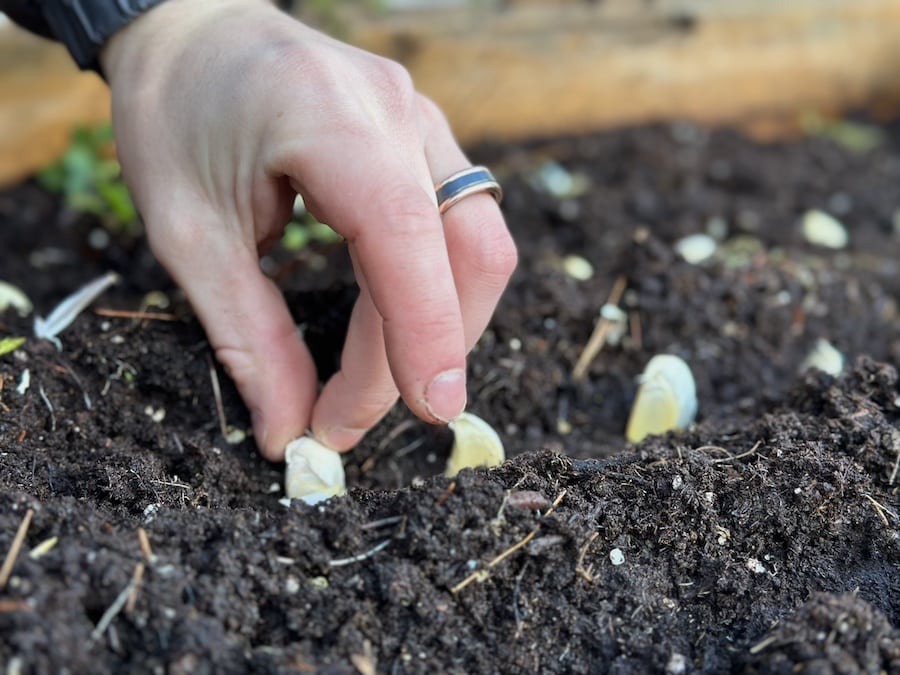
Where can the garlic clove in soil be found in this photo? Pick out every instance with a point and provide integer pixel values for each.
(824, 356)
(475, 444)
(314, 473)
(666, 398)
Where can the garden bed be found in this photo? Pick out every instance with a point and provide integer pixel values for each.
(765, 538)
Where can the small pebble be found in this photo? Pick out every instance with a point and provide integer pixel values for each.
(616, 556)
(696, 248)
(821, 229)
(577, 267)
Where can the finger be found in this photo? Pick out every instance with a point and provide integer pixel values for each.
(248, 324)
(378, 203)
(481, 250)
(482, 258)
(362, 392)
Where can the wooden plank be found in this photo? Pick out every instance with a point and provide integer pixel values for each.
(43, 97)
(522, 68)
(546, 68)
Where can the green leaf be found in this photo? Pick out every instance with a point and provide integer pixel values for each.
(10, 344)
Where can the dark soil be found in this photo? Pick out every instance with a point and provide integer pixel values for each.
(764, 539)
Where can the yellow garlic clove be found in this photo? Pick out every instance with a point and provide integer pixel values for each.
(475, 444)
(666, 398)
(314, 473)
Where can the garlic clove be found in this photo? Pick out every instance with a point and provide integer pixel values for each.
(314, 473)
(824, 356)
(475, 444)
(666, 398)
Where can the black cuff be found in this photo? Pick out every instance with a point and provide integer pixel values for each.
(84, 26)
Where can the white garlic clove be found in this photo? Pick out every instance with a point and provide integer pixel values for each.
(475, 444)
(666, 398)
(313, 473)
(825, 357)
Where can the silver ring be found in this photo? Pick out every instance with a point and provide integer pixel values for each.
(464, 183)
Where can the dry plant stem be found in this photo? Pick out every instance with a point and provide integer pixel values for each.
(113, 610)
(217, 395)
(483, 574)
(13, 553)
(896, 467)
(136, 579)
(759, 646)
(341, 562)
(444, 497)
(586, 572)
(732, 458)
(881, 509)
(598, 337)
(144, 543)
(139, 316)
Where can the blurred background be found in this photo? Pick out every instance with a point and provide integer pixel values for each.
(513, 69)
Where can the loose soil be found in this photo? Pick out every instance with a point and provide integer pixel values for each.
(763, 539)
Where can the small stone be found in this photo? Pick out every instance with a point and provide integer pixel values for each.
(821, 229)
(577, 267)
(677, 664)
(696, 248)
(755, 566)
(616, 556)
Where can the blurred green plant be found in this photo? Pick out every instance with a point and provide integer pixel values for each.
(854, 136)
(90, 179)
(301, 231)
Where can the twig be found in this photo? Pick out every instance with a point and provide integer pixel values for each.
(113, 610)
(13, 553)
(217, 395)
(340, 562)
(634, 322)
(136, 578)
(449, 491)
(87, 399)
(732, 458)
(765, 642)
(598, 337)
(881, 509)
(515, 600)
(375, 524)
(138, 316)
(49, 407)
(483, 574)
(144, 543)
(586, 572)
(896, 467)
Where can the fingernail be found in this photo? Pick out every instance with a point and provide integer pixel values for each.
(339, 438)
(445, 396)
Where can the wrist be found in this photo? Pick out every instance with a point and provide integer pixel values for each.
(160, 36)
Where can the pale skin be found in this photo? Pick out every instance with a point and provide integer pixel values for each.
(222, 112)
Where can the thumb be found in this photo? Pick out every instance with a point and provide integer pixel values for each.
(249, 325)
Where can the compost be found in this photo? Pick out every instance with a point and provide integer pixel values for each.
(765, 538)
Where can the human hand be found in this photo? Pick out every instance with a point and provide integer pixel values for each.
(222, 112)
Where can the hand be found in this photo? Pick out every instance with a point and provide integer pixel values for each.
(222, 113)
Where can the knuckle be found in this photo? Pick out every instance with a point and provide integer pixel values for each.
(406, 209)
(495, 255)
(430, 112)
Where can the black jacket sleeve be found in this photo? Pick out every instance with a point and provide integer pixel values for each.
(28, 14)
